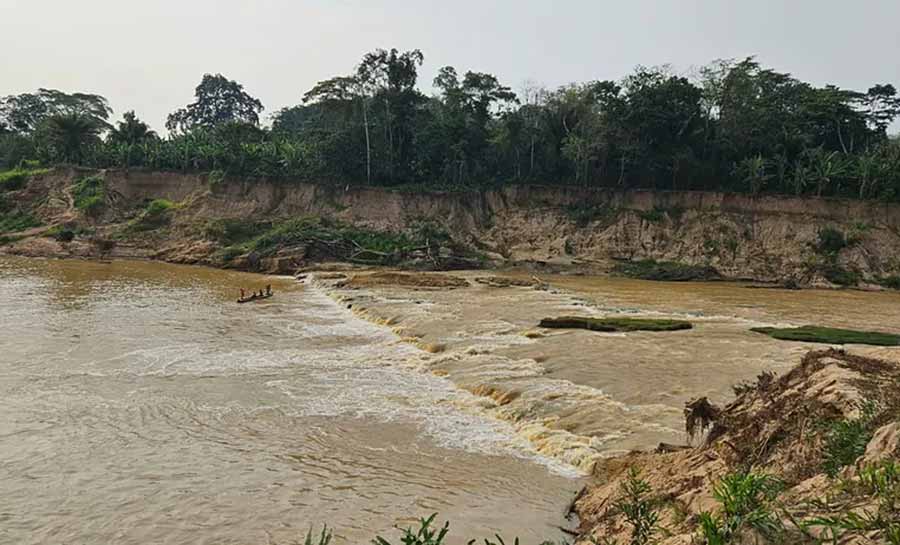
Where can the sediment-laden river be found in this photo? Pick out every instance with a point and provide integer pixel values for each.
(141, 405)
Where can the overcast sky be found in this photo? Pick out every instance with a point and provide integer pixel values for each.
(148, 55)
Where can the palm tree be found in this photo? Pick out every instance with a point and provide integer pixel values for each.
(131, 130)
(69, 134)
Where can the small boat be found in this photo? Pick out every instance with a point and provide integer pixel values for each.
(255, 297)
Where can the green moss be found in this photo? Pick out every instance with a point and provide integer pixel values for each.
(827, 335)
(669, 271)
(90, 194)
(615, 324)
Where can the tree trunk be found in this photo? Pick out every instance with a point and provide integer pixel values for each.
(368, 144)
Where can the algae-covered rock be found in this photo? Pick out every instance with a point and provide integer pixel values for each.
(615, 324)
(828, 335)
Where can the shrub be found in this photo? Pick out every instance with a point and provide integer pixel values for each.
(158, 207)
(638, 508)
(90, 194)
(60, 233)
(890, 282)
(840, 276)
(655, 215)
(18, 221)
(830, 241)
(747, 502)
(17, 178)
(846, 440)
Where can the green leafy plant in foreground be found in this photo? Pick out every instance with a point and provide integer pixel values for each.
(846, 440)
(747, 503)
(878, 484)
(428, 534)
(638, 508)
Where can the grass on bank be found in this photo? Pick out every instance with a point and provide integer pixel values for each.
(330, 237)
(89, 193)
(666, 271)
(13, 220)
(154, 216)
(17, 178)
(615, 324)
(828, 335)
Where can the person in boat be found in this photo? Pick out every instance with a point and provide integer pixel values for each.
(268, 289)
(243, 295)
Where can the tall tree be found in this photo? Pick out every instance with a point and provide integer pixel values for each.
(24, 113)
(131, 130)
(217, 100)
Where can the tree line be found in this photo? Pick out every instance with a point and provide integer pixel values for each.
(734, 125)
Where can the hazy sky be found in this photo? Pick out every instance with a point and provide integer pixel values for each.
(148, 55)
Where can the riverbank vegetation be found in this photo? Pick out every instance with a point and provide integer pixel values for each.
(615, 324)
(828, 335)
(733, 125)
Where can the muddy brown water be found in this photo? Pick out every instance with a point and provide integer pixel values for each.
(140, 405)
(579, 395)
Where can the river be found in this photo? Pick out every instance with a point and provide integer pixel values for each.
(142, 405)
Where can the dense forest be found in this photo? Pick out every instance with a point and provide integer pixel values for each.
(734, 125)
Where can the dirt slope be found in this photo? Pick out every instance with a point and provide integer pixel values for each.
(764, 238)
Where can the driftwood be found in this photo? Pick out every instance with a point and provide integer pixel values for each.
(699, 416)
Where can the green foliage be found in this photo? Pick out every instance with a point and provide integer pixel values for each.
(665, 271)
(218, 100)
(324, 538)
(846, 440)
(339, 240)
(159, 206)
(747, 502)
(425, 535)
(60, 233)
(655, 215)
(615, 324)
(830, 241)
(15, 221)
(879, 484)
(17, 178)
(89, 194)
(738, 126)
(828, 335)
(837, 274)
(890, 282)
(639, 510)
(154, 216)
